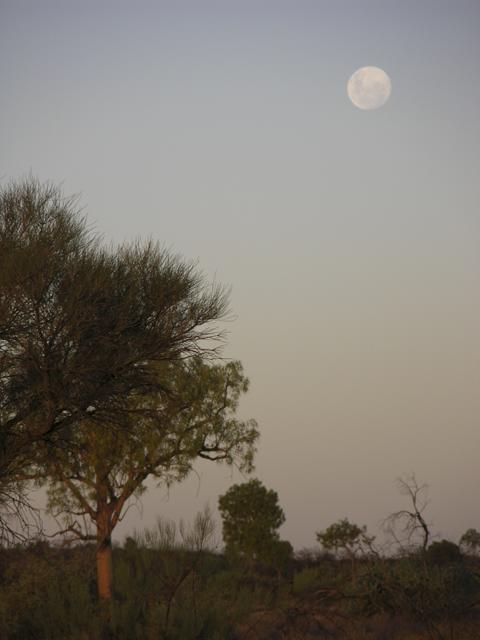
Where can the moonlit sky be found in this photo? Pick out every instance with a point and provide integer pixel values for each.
(351, 239)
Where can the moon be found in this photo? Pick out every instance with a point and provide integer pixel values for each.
(369, 88)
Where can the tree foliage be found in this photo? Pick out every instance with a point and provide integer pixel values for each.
(81, 325)
(345, 536)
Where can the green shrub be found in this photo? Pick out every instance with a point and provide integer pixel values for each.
(444, 553)
(47, 597)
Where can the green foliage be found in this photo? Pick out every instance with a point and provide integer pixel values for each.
(193, 417)
(306, 580)
(47, 595)
(171, 585)
(251, 516)
(325, 572)
(278, 555)
(444, 552)
(84, 328)
(345, 536)
(403, 587)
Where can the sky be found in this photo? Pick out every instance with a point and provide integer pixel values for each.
(349, 238)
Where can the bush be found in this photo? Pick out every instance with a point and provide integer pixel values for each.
(306, 580)
(49, 596)
(443, 553)
(405, 588)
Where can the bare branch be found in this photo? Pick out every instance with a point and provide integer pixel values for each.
(410, 522)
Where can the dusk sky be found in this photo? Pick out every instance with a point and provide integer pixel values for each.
(350, 238)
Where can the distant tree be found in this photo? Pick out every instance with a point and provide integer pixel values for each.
(470, 541)
(405, 525)
(91, 481)
(81, 326)
(347, 538)
(251, 516)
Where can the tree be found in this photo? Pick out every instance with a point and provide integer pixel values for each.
(81, 325)
(251, 516)
(91, 481)
(411, 522)
(346, 537)
(470, 541)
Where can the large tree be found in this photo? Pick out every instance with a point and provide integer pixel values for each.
(93, 479)
(81, 325)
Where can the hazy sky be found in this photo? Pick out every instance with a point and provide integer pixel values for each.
(350, 238)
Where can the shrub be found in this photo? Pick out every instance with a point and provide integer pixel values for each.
(403, 587)
(443, 553)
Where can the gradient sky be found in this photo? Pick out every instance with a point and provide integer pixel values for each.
(350, 238)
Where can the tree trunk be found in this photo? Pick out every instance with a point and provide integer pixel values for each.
(104, 568)
(104, 547)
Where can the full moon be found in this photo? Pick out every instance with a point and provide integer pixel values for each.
(369, 88)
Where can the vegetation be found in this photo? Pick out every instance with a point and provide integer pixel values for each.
(251, 516)
(171, 583)
(107, 378)
(343, 536)
(91, 481)
(82, 328)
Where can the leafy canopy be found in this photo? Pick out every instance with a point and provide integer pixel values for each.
(83, 326)
(193, 416)
(344, 536)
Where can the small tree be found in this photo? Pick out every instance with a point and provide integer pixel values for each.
(346, 537)
(406, 525)
(251, 516)
(470, 541)
(91, 481)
